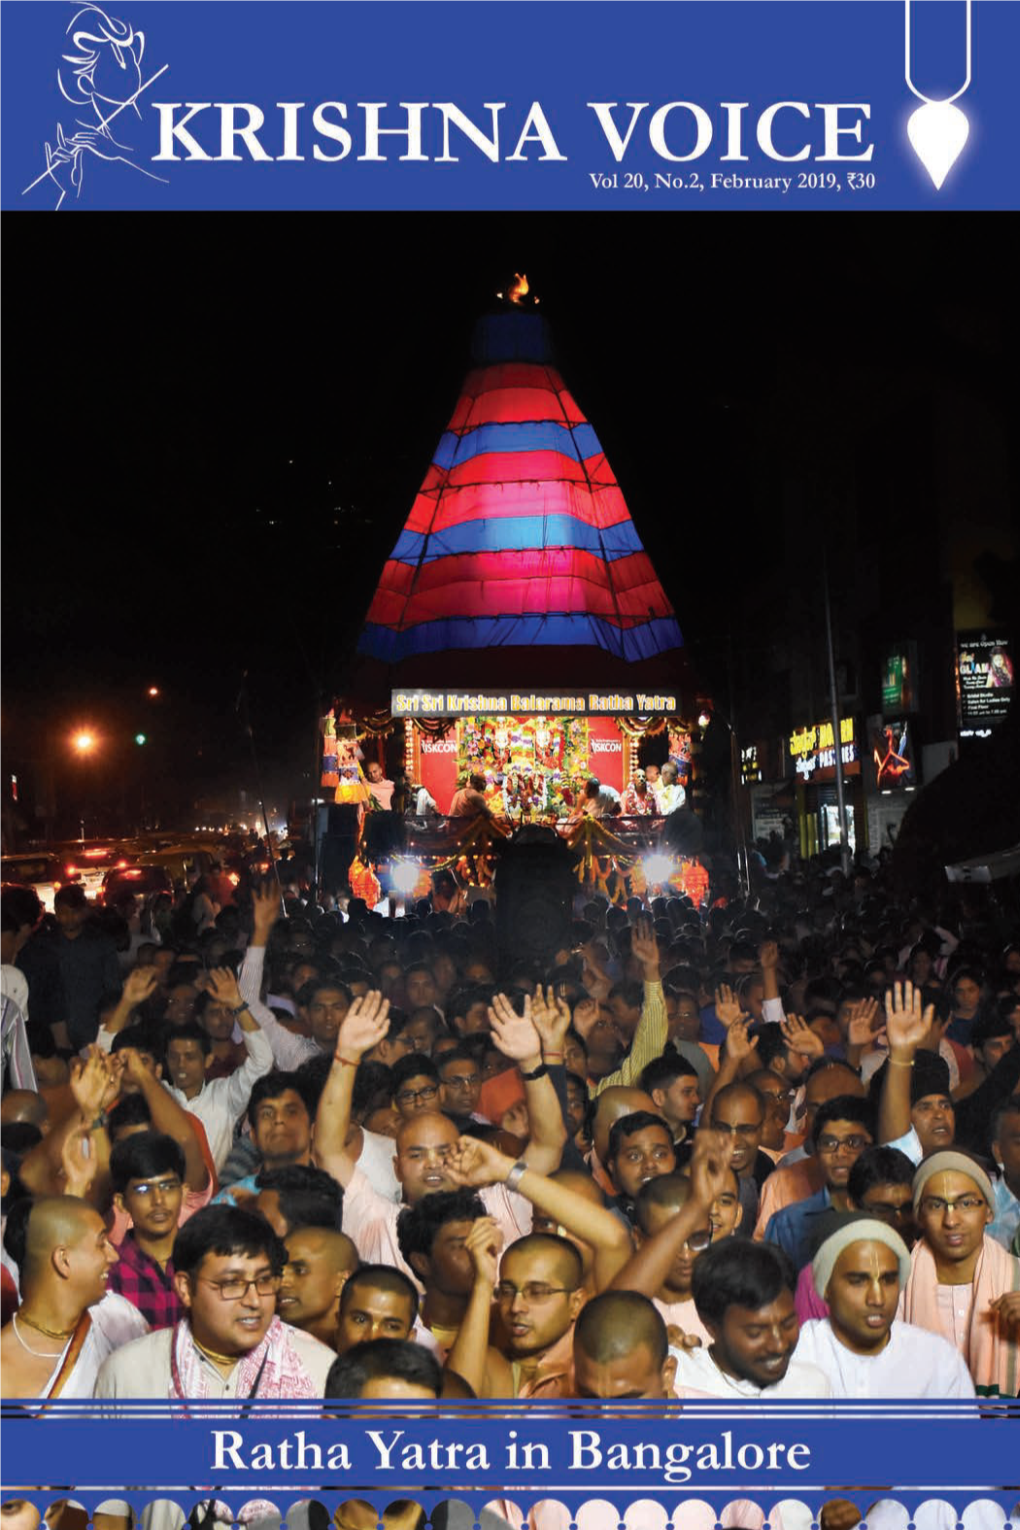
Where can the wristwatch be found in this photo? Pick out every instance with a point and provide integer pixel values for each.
(539, 1072)
(515, 1175)
(240, 1009)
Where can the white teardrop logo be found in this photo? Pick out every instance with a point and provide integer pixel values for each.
(938, 131)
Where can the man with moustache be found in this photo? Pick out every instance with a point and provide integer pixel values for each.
(743, 1293)
(842, 1130)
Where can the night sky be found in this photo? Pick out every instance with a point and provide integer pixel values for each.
(215, 427)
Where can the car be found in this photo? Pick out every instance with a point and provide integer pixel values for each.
(88, 862)
(137, 881)
(42, 871)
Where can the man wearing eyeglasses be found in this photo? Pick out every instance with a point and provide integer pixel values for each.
(842, 1129)
(415, 1085)
(228, 1265)
(148, 1175)
(963, 1285)
(538, 1297)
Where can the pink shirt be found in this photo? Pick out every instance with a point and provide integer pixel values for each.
(371, 1221)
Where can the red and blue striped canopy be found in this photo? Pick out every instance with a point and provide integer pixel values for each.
(519, 558)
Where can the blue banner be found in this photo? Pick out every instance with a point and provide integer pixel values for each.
(709, 107)
(782, 1449)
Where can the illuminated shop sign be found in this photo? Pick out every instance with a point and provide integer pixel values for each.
(891, 755)
(750, 768)
(985, 679)
(899, 671)
(530, 704)
(813, 751)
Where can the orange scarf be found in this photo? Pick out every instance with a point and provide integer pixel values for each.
(992, 1359)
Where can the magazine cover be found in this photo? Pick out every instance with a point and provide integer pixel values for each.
(511, 845)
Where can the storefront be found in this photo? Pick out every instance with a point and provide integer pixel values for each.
(811, 754)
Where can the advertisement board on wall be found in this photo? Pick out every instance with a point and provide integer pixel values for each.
(984, 668)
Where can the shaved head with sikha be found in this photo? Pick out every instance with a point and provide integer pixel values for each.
(621, 1349)
(613, 1105)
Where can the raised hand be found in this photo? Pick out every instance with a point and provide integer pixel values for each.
(516, 1121)
(709, 1169)
(739, 1045)
(907, 1022)
(135, 1070)
(265, 903)
(222, 984)
(727, 1006)
(77, 1162)
(800, 1038)
(473, 1163)
(864, 1022)
(586, 1016)
(139, 985)
(483, 1243)
(768, 954)
(363, 1027)
(89, 1082)
(515, 1035)
(644, 946)
(550, 1015)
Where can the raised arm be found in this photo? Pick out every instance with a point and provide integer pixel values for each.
(646, 1270)
(94, 1085)
(363, 1027)
(772, 1004)
(224, 989)
(907, 1024)
(739, 1047)
(139, 985)
(265, 902)
(475, 1163)
(517, 1038)
(167, 1117)
(472, 1358)
(653, 1026)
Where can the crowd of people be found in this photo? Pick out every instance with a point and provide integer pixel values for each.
(769, 1147)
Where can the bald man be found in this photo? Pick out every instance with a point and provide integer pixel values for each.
(613, 1103)
(24, 1106)
(68, 1322)
(738, 1111)
(319, 1263)
(621, 1349)
(538, 1297)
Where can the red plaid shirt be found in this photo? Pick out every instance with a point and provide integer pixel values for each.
(146, 1285)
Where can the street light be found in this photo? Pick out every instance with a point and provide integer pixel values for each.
(84, 742)
(153, 690)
